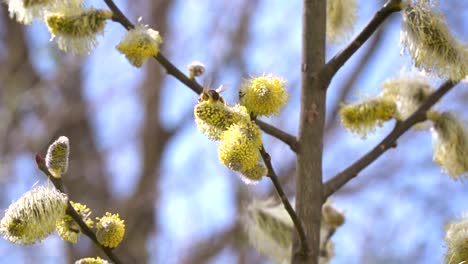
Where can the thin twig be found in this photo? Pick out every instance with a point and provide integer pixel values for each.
(120, 18)
(287, 138)
(332, 66)
(57, 182)
(338, 181)
(287, 205)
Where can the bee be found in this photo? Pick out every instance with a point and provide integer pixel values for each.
(214, 95)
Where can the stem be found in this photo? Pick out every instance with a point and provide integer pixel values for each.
(338, 181)
(57, 182)
(288, 139)
(332, 67)
(304, 248)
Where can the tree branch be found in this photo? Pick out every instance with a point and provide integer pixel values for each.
(287, 138)
(332, 66)
(338, 181)
(297, 222)
(57, 182)
(120, 18)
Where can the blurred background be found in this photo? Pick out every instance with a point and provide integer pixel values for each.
(135, 148)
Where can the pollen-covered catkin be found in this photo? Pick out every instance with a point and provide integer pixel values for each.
(239, 147)
(254, 174)
(427, 39)
(450, 136)
(110, 230)
(68, 229)
(363, 117)
(57, 157)
(214, 117)
(140, 44)
(264, 95)
(32, 218)
(76, 29)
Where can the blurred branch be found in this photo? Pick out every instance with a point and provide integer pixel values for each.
(297, 222)
(332, 67)
(338, 181)
(57, 182)
(209, 247)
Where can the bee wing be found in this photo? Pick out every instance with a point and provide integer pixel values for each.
(222, 88)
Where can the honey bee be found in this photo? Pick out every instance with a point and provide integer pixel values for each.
(214, 95)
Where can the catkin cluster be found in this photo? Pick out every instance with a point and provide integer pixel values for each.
(240, 138)
(76, 27)
(40, 211)
(400, 97)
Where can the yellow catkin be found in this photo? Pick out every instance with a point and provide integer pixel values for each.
(110, 230)
(68, 229)
(363, 117)
(76, 30)
(239, 148)
(254, 174)
(264, 95)
(140, 44)
(213, 116)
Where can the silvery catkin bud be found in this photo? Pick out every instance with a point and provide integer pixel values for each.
(33, 217)
(57, 157)
(195, 69)
(456, 238)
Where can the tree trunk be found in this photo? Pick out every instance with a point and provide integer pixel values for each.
(309, 159)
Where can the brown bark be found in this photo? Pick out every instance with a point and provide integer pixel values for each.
(312, 118)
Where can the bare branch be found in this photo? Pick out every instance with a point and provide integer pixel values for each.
(332, 67)
(57, 182)
(287, 138)
(338, 181)
(287, 205)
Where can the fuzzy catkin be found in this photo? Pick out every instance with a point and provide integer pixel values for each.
(32, 217)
